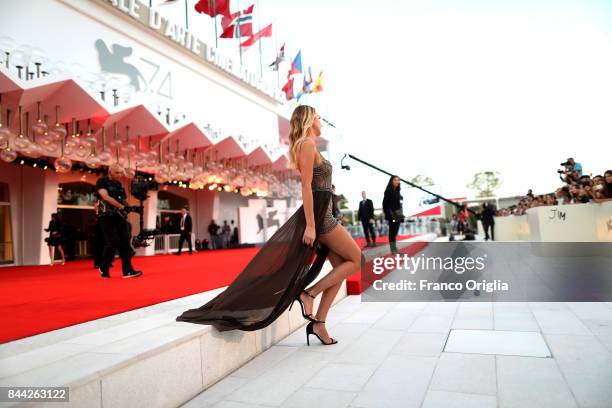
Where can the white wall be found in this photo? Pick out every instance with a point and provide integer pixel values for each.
(228, 207)
(249, 229)
(206, 205)
(560, 223)
(33, 195)
(202, 90)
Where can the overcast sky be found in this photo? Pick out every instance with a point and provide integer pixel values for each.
(451, 88)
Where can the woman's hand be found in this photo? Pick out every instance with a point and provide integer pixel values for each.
(309, 235)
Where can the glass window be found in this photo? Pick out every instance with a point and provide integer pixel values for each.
(169, 211)
(169, 201)
(76, 193)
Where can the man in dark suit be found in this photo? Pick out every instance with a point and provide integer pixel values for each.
(366, 216)
(185, 230)
(486, 216)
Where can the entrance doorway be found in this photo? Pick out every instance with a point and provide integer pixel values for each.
(75, 207)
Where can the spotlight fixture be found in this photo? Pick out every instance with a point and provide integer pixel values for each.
(342, 165)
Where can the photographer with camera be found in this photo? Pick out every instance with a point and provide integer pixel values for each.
(572, 171)
(112, 216)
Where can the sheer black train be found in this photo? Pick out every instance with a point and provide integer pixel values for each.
(277, 274)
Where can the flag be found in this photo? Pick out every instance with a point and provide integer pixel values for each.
(280, 57)
(288, 88)
(213, 8)
(306, 88)
(239, 24)
(318, 85)
(296, 65)
(264, 32)
(307, 82)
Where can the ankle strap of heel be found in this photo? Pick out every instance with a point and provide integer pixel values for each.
(308, 293)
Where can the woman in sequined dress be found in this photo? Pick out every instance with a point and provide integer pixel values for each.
(292, 258)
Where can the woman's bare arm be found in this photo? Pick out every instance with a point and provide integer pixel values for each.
(306, 159)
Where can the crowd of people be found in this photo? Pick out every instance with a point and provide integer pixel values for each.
(222, 236)
(111, 232)
(219, 236)
(578, 188)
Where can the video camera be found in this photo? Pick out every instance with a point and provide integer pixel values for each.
(139, 188)
(568, 168)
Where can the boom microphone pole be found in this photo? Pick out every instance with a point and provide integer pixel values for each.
(346, 167)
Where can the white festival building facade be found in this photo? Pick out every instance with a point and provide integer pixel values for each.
(117, 80)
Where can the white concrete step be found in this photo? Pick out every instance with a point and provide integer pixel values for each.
(141, 358)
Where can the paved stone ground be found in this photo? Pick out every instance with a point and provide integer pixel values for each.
(391, 355)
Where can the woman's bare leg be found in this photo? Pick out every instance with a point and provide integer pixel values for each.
(346, 258)
(327, 299)
(340, 242)
(61, 251)
(50, 255)
(329, 294)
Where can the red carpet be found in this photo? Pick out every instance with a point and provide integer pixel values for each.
(38, 299)
(381, 240)
(355, 284)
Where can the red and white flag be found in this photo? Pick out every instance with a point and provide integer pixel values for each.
(239, 24)
(264, 32)
(213, 8)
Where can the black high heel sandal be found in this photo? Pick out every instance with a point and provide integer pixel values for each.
(306, 316)
(310, 330)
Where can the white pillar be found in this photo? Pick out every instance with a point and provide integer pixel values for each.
(149, 221)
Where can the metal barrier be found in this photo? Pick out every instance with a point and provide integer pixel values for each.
(406, 228)
(168, 243)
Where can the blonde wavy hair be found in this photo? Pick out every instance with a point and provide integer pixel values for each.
(301, 120)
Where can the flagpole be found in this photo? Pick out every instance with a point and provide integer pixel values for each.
(258, 29)
(239, 36)
(214, 2)
(276, 50)
(186, 16)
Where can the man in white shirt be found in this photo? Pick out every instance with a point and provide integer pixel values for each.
(185, 227)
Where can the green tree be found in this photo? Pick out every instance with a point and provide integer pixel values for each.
(422, 180)
(485, 183)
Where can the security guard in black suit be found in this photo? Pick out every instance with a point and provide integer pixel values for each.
(185, 227)
(366, 216)
(112, 216)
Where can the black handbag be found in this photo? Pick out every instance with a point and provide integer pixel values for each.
(398, 214)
